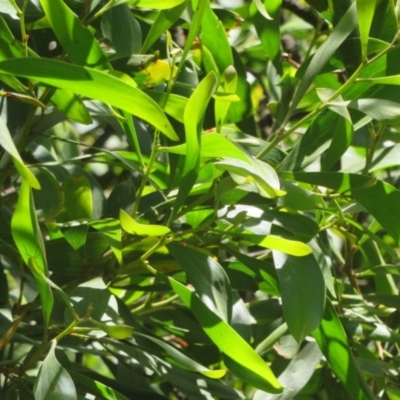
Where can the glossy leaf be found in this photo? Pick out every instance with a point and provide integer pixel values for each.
(163, 21)
(291, 247)
(157, 4)
(333, 342)
(229, 342)
(185, 361)
(365, 14)
(54, 382)
(302, 288)
(122, 30)
(346, 25)
(91, 83)
(78, 203)
(29, 241)
(76, 39)
(208, 278)
(8, 144)
(193, 117)
(259, 176)
(129, 225)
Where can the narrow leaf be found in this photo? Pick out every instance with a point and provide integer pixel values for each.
(76, 39)
(365, 13)
(8, 144)
(53, 381)
(290, 247)
(339, 34)
(261, 8)
(333, 342)
(94, 84)
(207, 276)
(302, 288)
(193, 117)
(29, 241)
(134, 228)
(229, 342)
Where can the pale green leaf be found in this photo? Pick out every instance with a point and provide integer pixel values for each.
(129, 225)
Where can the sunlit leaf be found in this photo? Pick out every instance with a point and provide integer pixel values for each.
(134, 228)
(53, 381)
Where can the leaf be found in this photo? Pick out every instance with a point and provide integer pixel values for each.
(8, 144)
(111, 229)
(290, 247)
(78, 202)
(184, 361)
(297, 373)
(333, 342)
(53, 381)
(214, 38)
(156, 4)
(94, 84)
(269, 30)
(259, 176)
(72, 106)
(119, 332)
(164, 20)
(129, 225)
(379, 198)
(193, 117)
(122, 30)
(365, 14)
(213, 145)
(302, 289)
(96, 387)
(76, 39)
(385, 111)
(208, 278)
(261, 9)
(28, 238)
(229, 342)
(227, 84)
(345, 26)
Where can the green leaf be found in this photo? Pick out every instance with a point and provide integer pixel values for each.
(365, 14)
(8, 144)
(78, 202)
(385, 111)
(379, 198)
(122, 30)
(193, 121)
(214, 38)
(164, 20)
(184, 361)
(72, 106)
(291, 247)
(269, 30)
(94, 84)
(156, 4)
(333, 342)
(119, 332)
(343, 29)
(208, 278)
(28, 238)
(54, 382)
(76, 39)
(96, 387)
(257, 176)
(228, 84)
(302, 289)
(229, 342)
(129, 225)
(261, 9)
(111, 229)
(297, 373)
(213, 145)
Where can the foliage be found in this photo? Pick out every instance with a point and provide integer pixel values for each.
(199, 199)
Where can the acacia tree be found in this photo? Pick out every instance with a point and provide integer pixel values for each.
(199, 199)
